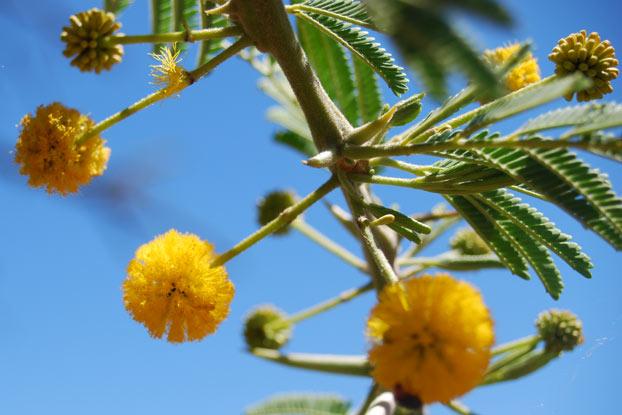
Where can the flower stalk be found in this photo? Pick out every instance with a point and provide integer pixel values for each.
(163, 93)
(322, 240)
(344, 297)
(355, 365)
(179, 36)
(387, 150)
(286, 217)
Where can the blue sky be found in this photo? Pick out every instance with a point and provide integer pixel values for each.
(199, 163)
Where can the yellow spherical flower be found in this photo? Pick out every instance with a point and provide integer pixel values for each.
(48, 154)
(524, 73)
(595, 59)
(433, 338)
(172, 288)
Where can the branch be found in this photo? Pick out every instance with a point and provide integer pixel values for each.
(266, 23)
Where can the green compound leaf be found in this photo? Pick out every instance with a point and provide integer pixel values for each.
(586, 118)
(460, 178)
(534, 253)
(347, 10)
(604, 144)
(487, 230)
(116, 6)
(538, 227)
(301, 405)
(363, 46)
(429, 44)
(562, 177)
(368, 97)
(568, 182)
(331, 65)
(527, 98)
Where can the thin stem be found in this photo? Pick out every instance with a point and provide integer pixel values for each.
(407, 167)
(458, 407)
(450, 107)
(385, 273)
(374, 389)
(523, 366)
(515, 344)
(231, 51)
(432, 216)
(344, 297)
(181, 36)
(165, 92)
(448, 188)
(530, 193)
(287, 216)
(124, 113)
(509, 358)
(388, 150)
(328, 244)
(297, 8)
(340, 364)
(412, 271)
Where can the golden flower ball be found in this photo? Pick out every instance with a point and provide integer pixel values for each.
(49, 154)
(172, 288)
(433, 337)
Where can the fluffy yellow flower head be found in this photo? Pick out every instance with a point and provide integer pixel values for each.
(433, 338)
(171, 288)
(47, 152)
(168, 73)
(524, 73)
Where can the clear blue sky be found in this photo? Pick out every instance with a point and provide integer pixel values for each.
(199, 163)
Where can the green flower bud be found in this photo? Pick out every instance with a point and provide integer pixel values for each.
(560, 329)
(468, 242)
(267, 327)
(587, 54)
(271, 206)
(85, 39)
